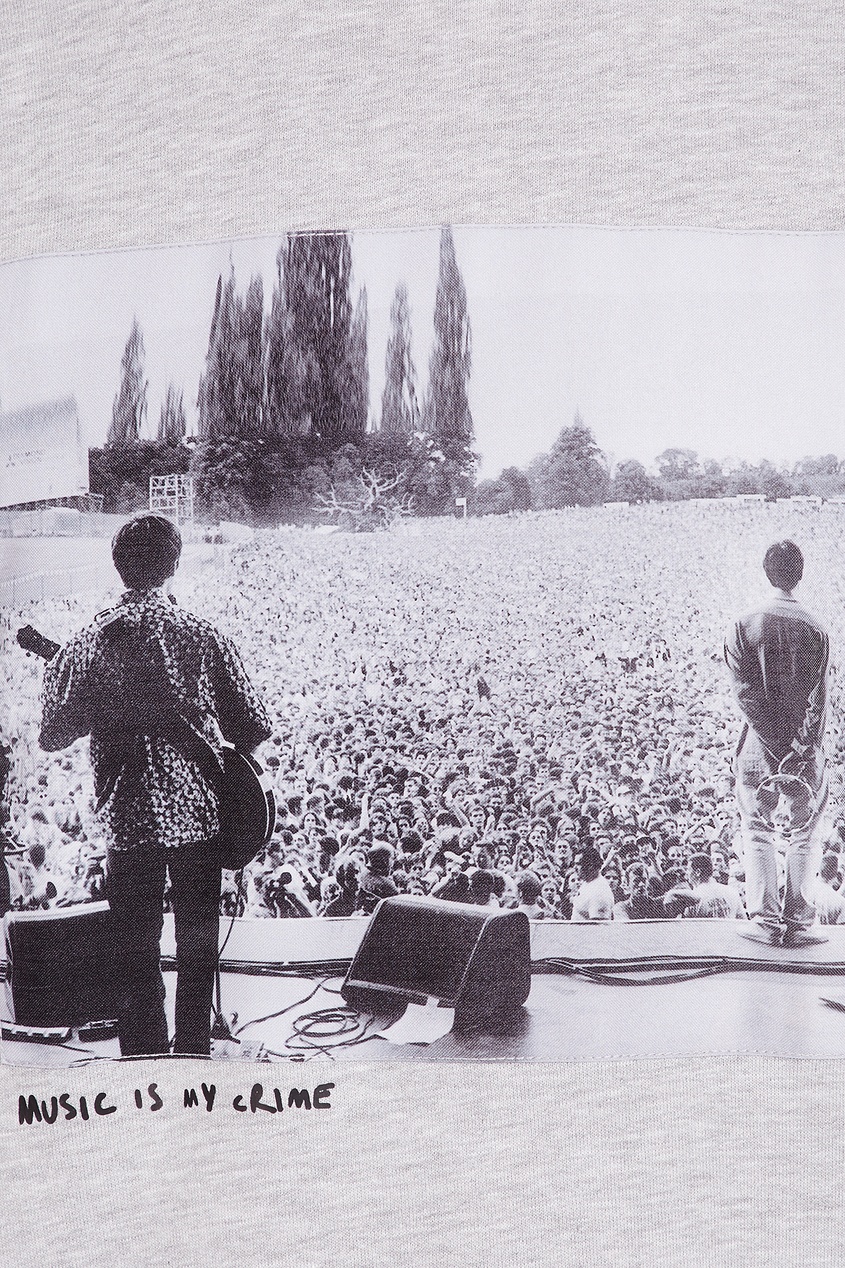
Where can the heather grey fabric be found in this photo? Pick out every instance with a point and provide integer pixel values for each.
(133, 124)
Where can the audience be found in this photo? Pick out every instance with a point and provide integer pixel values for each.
(521, 712)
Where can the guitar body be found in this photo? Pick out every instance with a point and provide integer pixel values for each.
(247, 801)
(247, 809)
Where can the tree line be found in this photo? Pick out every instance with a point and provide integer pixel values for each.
(283, 406)
(575, 472)
(285, 433)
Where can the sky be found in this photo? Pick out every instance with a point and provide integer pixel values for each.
(730, 344)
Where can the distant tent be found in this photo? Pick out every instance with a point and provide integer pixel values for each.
(42, 457)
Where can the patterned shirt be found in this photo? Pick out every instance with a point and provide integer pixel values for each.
(158, 690)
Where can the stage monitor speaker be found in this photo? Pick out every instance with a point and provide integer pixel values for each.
(60, 966)
(476, 960)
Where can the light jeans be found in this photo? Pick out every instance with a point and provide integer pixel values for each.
(763, 900)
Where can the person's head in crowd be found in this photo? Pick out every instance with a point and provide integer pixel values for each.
(525, 858)
(478, 817)
(529, 888)
(452, 863)
(613, 873)
(378, 826)
(674, 853)
(401, 880)
(550, 893)
(446, 827)
(414, 865)
(627, 848)
(481, 887)
(468, 838)
(329, 848)
(146, 551)
(414, 785)
(588, 863)
(637, 879)
(719, 859)
(346, 874)
(565, 848)
(538, 837)
(645, 847)
(783, 564)
(522, 827)
(503, 858)
(483, 856)
(276, 849)
(410, 842)
(603, 843)
(329, 890)
(372, 889)
(459, 887)
(495, 804)
(572, 883)
(379, 860)
(700, 869)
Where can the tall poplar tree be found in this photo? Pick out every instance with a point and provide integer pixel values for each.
(316, 361)
(130, 405)
(171, 425)
(231, 389)
(446, 417)
(357, 372)
(399, 407)
(249, 359)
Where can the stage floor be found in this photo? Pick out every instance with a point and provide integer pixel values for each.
(749, 999)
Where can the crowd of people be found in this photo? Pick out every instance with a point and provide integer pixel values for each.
(529, 712)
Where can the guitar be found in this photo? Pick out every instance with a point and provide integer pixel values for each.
(247, 808)
(247, 800)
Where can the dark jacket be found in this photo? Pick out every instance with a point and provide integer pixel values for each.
(778, 658)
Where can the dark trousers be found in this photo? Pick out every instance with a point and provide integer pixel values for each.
(135, 890)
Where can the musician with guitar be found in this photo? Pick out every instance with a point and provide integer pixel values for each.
(160, 692)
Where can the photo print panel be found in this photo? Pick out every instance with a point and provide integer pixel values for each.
(424, 645)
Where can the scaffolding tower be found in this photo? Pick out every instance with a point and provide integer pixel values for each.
(173, 495)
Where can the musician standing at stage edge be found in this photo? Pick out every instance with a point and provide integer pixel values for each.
(158, 690)
(778, 658)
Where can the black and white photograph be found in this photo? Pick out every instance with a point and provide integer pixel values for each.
(424, 645)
